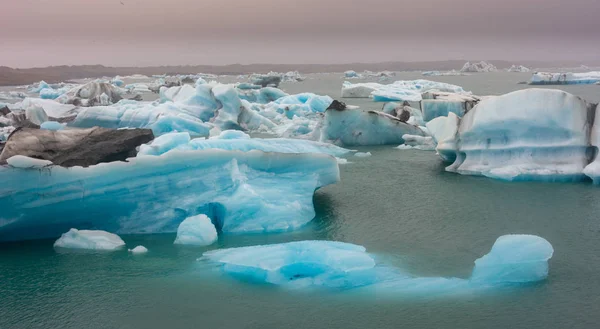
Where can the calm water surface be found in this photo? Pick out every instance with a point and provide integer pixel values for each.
(397, 203)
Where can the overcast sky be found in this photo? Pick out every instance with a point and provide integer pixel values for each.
(175, 32)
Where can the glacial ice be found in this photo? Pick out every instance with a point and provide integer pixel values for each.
(443, 130)
(24, 162)
(196, 230)
(352, 127)
(52, 125)
(518, 68)
(403, 90)
(442, 73)
(362, 154)
(89, 239)
(514, 259)
(482, 66)
(351, 75)
(533, 134)
(592, 170)
(234, 141)
(261, 95)
(424, 143)
(546, 78)
(439, 104)
(138, 250)
(240, 191)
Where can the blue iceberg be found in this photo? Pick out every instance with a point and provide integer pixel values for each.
(352, 127)
(240, 191)
(514, 259)
(546, 78)
(238, 141)
(532, 134)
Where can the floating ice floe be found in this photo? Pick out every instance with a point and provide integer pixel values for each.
(442, 73)
(533, 134)
(241, 191)
(518, 68)
(138, 250)
(238, 142)
(546, 78)
(482, 66)
(424, 143)
(362, 154)
(196, 230)
(409, 90)
(350, 127)
(352, 75)
(328, 264)
(89, 239)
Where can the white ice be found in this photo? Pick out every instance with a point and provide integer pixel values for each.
(89, 239)
(547, 78)
(196, 230)
(138, 250)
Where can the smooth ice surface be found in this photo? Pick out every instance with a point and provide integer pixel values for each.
(52, 125)
(516, 258)
(89, 239)
(443, 130)
(301, 263)
(21, 161)
(196, 230)
(331, 264)
(356, 127)
(533, 134)
(138, 250)
(547, 78)
(241, 191)
(238, 141)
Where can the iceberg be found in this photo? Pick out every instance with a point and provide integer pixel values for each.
(514, 259)
(362, 154)
(439, 104)
(546, 78)
(241, 142)
(351, 127)
(89, 239)
(440, 73)
(443, 130)
(592, 170)
(482, 66)
(138, 250)
(408, 90)
(533, 134)
(518, 68)
(260, 95)
(240, 191)
(424, 143)
(271, 79)
(352, 75)
(196, 230)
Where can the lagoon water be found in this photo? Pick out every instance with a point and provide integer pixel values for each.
(399, 204)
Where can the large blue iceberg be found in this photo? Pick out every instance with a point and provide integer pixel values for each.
(546, 78)
(533, 134)
(238, 141)
(240, 191)
(513, 259)
(403, 90)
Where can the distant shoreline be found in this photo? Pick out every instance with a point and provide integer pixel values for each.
(53, 74)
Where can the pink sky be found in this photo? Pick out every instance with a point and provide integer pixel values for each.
(161, 32)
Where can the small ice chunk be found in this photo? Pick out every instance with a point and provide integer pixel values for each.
(89, 239)
(362, 154)
(52, 125)
(21, 161)
(197, 230)
(515, 258)
(139, 250)
(232, 134)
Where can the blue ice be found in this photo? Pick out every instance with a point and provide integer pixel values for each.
(240, 191)
(238, 141)
(514, 259)
(52, 125)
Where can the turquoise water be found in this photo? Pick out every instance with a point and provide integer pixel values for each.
(399, 204)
